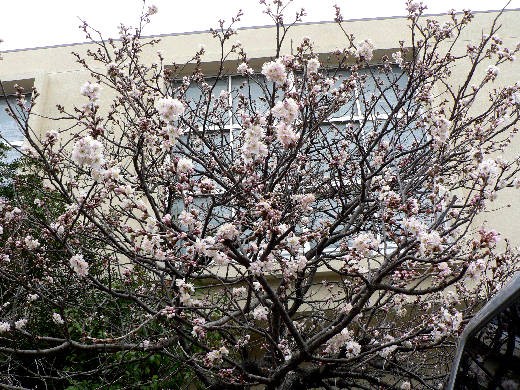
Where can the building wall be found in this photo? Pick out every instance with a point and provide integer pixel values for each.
(57, 76)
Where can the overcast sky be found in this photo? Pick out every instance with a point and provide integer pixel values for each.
(36, 23)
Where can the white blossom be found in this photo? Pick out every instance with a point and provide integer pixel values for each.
(365, 242)
(4, 327)
(239, 291)
(88, 151)
(227, 231)
(275, 71)
(492, 72)
(20, 324)
(31, 243)
(185, 291)
(58, 320)
(90, 90)
(79, 265)
(32, 297)
(312, 66)
(169, 108)
(365, 50)
(244, 70)
(260, 313)
(343, 340)
(216, 356)
(184, 165)
(440, 130)
(488, 168)
(398, 58)
(406, 386)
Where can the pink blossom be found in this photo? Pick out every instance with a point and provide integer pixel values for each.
(169, 109)
(429, 242)
(184, 165)
(286, 135)
(79, 265)
(260, 313)
(152, 9)
(365, 242)
(275, 71)
(312, 66)
(287, 110)
(244, 69)
(90, 90)
(254, 148)
(365, 50)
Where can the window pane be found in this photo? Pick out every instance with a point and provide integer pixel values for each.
(199, 95)
(204, 144)
(348, 110)
(380, 90)
(9, 131)
(250, 92)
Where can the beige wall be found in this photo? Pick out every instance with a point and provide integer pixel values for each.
(58, 77)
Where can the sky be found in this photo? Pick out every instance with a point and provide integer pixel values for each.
(37, 23)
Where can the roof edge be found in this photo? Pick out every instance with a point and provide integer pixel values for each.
(254, 28)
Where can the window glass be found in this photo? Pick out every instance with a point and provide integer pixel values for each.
(379, 90)
(255, 98)
(350, 109)
(199, 94)
(9, 131)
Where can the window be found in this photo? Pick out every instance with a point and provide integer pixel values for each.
(370, 106)
(10, 134)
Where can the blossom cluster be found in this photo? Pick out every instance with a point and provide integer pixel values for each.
(88, 151)
(79, 265)
(365, 50)
(440, 130)
(275, 71)
(90, 90)
(254, 148)
(343, 340)
(169, 109)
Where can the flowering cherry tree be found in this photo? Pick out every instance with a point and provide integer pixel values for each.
(288, 249)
